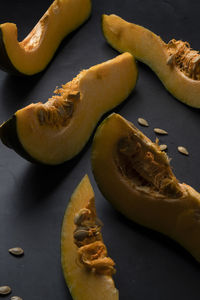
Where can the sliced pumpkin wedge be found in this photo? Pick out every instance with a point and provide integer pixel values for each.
(87, 268)
(32, 55)
(175, 63)
(56, 131)
(135, 176)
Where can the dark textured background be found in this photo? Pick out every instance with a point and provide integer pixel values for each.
(33, 198)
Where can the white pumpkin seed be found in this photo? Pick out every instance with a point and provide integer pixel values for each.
(163, 147)
(16, 251)
(170, 60)
(74, 95)
(41, 116)
(196, 60)
(15, 298)
(143, 122)
(183, 150)
(5, 290)
(160, 131)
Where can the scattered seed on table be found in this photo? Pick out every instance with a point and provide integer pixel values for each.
(183, 150)
(17, 251)
(160, 131)
(5, 290)
(15, 298)
(143, 122)
(163, 147)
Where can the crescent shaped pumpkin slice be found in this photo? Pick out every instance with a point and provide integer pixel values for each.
(32, 55)
(135, 176)
(175, 63)
(56, 131)
(86, 266)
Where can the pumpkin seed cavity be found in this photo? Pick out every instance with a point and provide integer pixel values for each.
(5, 290)
(92, 252)
(58, 110)
(186, 59)
(147, 170)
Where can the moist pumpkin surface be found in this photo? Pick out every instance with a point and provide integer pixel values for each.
(35, 51)
(87, 268)
(54, 132)
(139, 182)
(176, 64)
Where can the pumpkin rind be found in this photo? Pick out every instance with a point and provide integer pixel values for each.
(9, 137)
(83, 284)
(32, 55)
(52, 133)
(175, 215)
(153, 51)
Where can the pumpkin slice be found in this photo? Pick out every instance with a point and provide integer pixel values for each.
(175, 63)
(135, 176)
(32, 55)
(54, 132)
(87, 268)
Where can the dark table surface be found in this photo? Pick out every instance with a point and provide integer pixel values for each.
(33, 198)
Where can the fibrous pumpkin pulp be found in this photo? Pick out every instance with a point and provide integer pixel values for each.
(135, 176)
(86, 266)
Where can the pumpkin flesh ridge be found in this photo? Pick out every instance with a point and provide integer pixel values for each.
(83, 284)
(90, 94)
(31, 55)
(176, 65)
(160, 202)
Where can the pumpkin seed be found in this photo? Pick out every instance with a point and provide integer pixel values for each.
(74, 95)
(170, 60)
(81, 234)
(163, 147)
(16, 251)
(196, 60)
(5, 290)
(69, 108)
(143, 122)
(81, 216)
(16, 298)
(183, 150)
(41, 116)
(160, 131)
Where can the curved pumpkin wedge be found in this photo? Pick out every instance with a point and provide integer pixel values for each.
(135, 176)
(175, 63)
(56, 131)
(87, 268)
(32, 55)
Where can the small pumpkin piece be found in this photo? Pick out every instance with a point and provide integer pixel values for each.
(136, 170)
(56, 131)
(32, 55)
(175, 63)
(86, 266)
